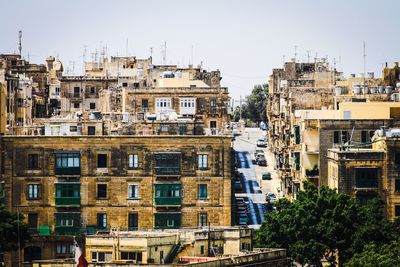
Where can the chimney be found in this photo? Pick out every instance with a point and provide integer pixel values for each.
(50, 61)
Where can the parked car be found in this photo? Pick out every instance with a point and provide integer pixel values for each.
(261, 142)
(271, 197)
(258, 151)
(262, 161)
(237, 185)
(258, 156)
(266, 176)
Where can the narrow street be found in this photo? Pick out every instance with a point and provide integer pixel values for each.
(253, 187)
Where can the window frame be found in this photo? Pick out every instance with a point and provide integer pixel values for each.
(201, 189)
(97, 191)
(203, 215)
(136, 191)
(202, 161)
(33, 161)
(31, 194)
(134, 161)
(105, 160)
(102, 220)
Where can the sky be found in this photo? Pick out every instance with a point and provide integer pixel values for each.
(245, 40)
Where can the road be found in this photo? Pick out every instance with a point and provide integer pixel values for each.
(254, 188)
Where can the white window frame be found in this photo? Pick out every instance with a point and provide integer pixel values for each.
(33, 191)
(135, 189)
(133, 161)
(202, 161)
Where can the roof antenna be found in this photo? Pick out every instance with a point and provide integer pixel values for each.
(20, 43)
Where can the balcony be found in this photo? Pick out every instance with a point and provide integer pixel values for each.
(167, 195)
(312, 172)
(67, 230)
(68, 201)
(68, 194)
(167, 164)
(168, 201)
(167, 220)
(67, 170)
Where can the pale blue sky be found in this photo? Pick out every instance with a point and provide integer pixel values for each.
(244, 39)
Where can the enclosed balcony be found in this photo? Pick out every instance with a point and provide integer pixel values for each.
(67, 163)
(167, 220)
(67, 223)
(68, 195)
(167, 195)
(167, 164)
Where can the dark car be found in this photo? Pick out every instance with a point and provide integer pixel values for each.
(266, 176)
(262, 161)
(237, 185)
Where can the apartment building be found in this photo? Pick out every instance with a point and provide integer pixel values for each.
(81, 184)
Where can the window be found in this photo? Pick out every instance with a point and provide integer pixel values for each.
(73, 128)
(336, 137)
(33, 161)
(64, 249)
(366, 136)
(213, 124)
(366, 177)
(133, 161)
(182, 129)
(101, 256)
(92, 105)
(76, 91)
(101, 220)
(91, 130)
(133, 191)
(101, 191)
(397, 185)
(132, 221)
(124, 84)
(33, 191)
(167, 164)
(92, 90)
(67, 190)
(202, 161)
(397, 211)
(136, 256)
(202, 250)
(164, 128)
(57, 90)
(202, 191)
(340, 137)
(101, 160)
(67, 160)
(33, 221)
(203, 219)
(76, 105)
(163, 104)
(145, 105)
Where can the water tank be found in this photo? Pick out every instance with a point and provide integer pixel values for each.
(397, 85)
(356, 89)
(365, 90)
(388, 89)
(381, 89)
(373, 90)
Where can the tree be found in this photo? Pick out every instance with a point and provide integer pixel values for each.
(254, 106)
(373, 255)
(12, 229)
(326, 225)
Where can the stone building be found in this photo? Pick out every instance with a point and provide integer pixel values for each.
(80, 184)
(367, 173)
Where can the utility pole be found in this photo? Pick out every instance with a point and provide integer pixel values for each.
(364, 65)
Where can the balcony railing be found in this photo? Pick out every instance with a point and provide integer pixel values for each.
(313, 172)
(68, 171)
(68, 201)
(67, 230)
(168, 201)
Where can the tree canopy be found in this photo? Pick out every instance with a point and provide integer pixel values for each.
(12, 226)
(324, 224)
(254, 106)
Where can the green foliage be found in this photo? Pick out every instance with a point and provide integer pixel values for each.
(10, 226)
(254, 106)
(387, 255)
(325, 224)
